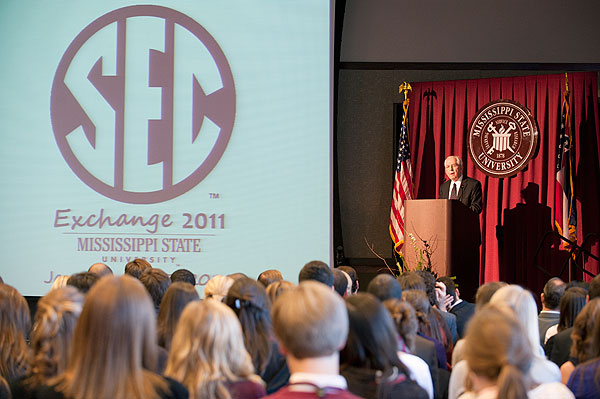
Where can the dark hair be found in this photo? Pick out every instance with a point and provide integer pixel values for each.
(385, 286)
(177, 296)
(353, 276)
(249, 301)
(578, 283)
(405, 320)
(136, 267)
(269, 276)
(183, 275)
(156, 282)
(340, 282)
(450, 286)
(411, 281)
(83, 281)
(554, 289)
(429, 280)
(317, 270)
(571, 304)
(372, 338)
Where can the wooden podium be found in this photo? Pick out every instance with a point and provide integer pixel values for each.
(453, 232)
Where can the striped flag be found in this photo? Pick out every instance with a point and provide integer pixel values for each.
(403, 185)
(565, 211)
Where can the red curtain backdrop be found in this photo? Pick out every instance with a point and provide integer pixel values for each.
(517, 211)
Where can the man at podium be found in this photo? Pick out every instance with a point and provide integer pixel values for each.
(458, 186)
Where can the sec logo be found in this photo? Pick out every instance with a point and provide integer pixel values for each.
(143, 104)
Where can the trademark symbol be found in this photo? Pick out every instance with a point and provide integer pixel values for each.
(213, 195)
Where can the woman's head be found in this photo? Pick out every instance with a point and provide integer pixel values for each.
(114, 342)
(208, 350)
(571, 303)
(217, 287)
(582, 336)
(249, 301)
(275, 289)
(372, 338)
(178, 295)
(15, 323)
(405, 320)
(498, 351)
(54, 324)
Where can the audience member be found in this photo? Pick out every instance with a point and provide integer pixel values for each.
(60, 281)
(460, 308)
(582, 338)
(449, 323)
(55, 319)
(311, 325)
(411, 281)
(156, 282)
(208, 354)
(584, 381)
(594, 289)
(83, 281)
(340, 282)
(269, 276)
(571, 304)
(318, 271)
(217, 287)
(277, 288)
(15, 323)
(385, 286)
(136, 267)
(353, 276)
(578, 283)
(236, 276)
(499, 356)
(406, 325)
(114, 347)
(183, 275)
(372, 349)
(177, 296)
(550, 298)
(100, 269)
(249, 301)
(486, 291)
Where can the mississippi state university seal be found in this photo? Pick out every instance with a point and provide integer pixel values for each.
(503, 138)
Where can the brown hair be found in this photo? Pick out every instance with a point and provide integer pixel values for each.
(178, 295)
(156, 282)
(114, 344)
(497, 347)
(53, 328)
(269, 276)
(583, 328)
(136, 267)
(405, 320)
(208, 351)
(15, 322)
(277, 288)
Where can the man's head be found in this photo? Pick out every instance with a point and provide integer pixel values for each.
(340, 282)
(352, 273)
(310, 321)
(385, 286)
(454, 167)
(450, 287)
(269, 276)
(100, 269)
(411, 281)
(553, 292)
(183, 275)
(136, 267)
(83, 281)
(156, 282)
(316, 270)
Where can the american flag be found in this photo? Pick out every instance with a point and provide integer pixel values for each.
(565, 211)
(403, 185)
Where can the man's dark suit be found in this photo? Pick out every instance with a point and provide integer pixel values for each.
(558, 347)
(463, 312)
(469, 193)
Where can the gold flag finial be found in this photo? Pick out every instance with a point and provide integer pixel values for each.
(566, 82)
(405, 87)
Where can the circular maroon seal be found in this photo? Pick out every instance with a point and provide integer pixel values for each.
(502, 138)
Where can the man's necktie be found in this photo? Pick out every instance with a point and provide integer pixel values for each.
(454, 192)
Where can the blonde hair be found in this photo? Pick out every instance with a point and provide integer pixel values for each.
(217, 287)
(276, 288)
(15, 322)
(208, 351)
(114, 344)
(498, 349)
(310, 320)
(60, 281)
(53, 328)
